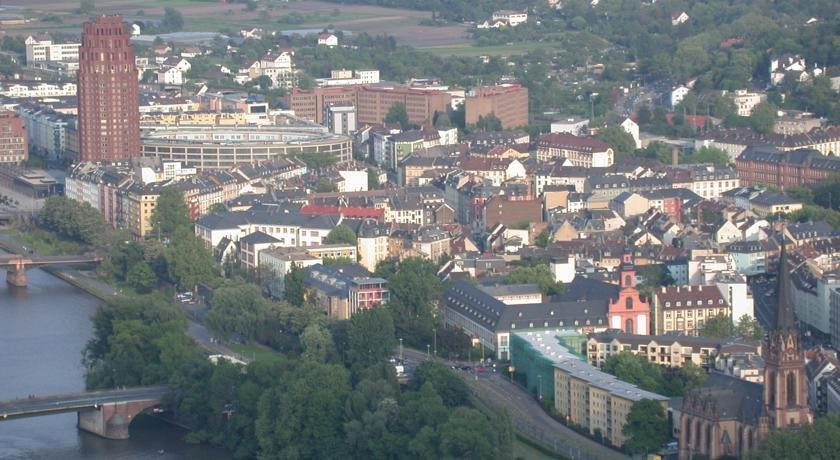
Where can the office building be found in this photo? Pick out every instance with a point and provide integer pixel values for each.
(109, 118)
(508, 103)
(340, 117)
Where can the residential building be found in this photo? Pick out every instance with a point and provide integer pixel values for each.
(745, 101)
(677, 95)
(277, 261)
(250, 247)
(46, 130)
(109, 117)
(327, 39)
(751, 257)
(706, 180)
(685, 309)
(570, 125)
(344, 290)
(586, 152)
(24, 89)
(582, 394)
(770, 203)
(344, 77)
(372, 243)
(486, 140)
(507, 102)
(512, 17)
(291, 229)
(665, 350)
(514, 294)
(760, 165)
(735, 141)
(13, 139)
(340, 117)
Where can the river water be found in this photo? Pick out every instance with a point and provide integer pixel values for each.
(43, 329)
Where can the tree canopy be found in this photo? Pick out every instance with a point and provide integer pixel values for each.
(171, 214)
(646, 427)
(341, 234)
(538, 274)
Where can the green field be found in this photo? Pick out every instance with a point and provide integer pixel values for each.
(493, 50)
(254, 353)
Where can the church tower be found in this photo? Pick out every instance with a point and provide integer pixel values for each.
(785, 390)
(629, 312)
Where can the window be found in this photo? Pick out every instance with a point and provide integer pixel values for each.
(629, 303)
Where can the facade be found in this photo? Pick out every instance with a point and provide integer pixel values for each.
(47, 130)
(759, 165)
(372, 243)
(13, 139)
(685, 309)
(508, 103)
(583, 394)
(706, 180)
(213, 148)
(586, 152)
(570, 125)
(745, 101)
(512, 17)
(291, 229)
(629, 312)
(109, 117)
(20, 89)
(665, 350)
(372, 102)
(343, 290)
(46, 51)
(340, 118)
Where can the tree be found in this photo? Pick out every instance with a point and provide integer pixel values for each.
(398, 114)
(653, 276)
(171, 214)
(141, 278)
(542, 239)
(442, 121)
(538, 274)
(763, 117)
(719, 326)
(373, 179)
(217, 208)
(749, 327)
(264, 82)
(370, 337)
(636, 370)
(488, 123)
(449, 386)
(619, 140)
(468, 434)
(189, 261)
(341, 234)
(415, 288)
(820, 440)
(707, 155)
(172, 20)
(646, 427)
(238, 310)
(295, 286)
(317, 342)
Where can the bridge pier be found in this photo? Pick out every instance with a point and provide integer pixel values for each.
(111, 420)
(16, 275)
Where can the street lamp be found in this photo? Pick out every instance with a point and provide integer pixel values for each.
(539, 392)
(427, 351)
(592, 97)
(434, 330)
(401, 351)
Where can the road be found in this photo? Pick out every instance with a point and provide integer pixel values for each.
(764, 295)
(76, 401)
(529, 419)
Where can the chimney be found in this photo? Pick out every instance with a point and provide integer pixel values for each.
(675, 156)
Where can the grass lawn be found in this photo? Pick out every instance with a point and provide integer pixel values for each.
(255, 353)
(493, 50)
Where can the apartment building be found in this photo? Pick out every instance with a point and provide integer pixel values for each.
(290, 229)
(13, 139)
(583, 394)
(372, 243)
(586, 152)
(508, 103)
(764, 165)
(344, 290)
(685, 309)
(665, 350)
(19, 89)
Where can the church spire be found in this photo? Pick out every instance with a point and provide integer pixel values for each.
(784, 310)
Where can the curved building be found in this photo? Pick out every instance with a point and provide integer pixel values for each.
(222, 147)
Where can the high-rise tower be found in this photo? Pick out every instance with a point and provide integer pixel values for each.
(109, 118)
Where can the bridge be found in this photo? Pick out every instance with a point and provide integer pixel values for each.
(16, 265)
(106, 413)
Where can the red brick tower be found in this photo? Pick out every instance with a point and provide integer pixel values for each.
(109, 117)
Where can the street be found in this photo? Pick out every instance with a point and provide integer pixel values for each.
(529, 419)
(765, 302)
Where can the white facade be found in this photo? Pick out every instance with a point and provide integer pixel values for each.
(632, 128)
(448, 136)
(678, 94)
(813, 305)
(354, 181)
(574, 126)
(745, 101)
(340, 119)
(37, 89)
(46, 50)
(734, 289)
(288, 235)
(513, 18)
(170, 76)
(564, 270)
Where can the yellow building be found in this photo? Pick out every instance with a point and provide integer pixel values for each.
(582, 393)
(138, 204)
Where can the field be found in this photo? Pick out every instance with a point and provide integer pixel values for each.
(210, 16)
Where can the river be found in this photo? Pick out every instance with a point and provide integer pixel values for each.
(43, 329)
